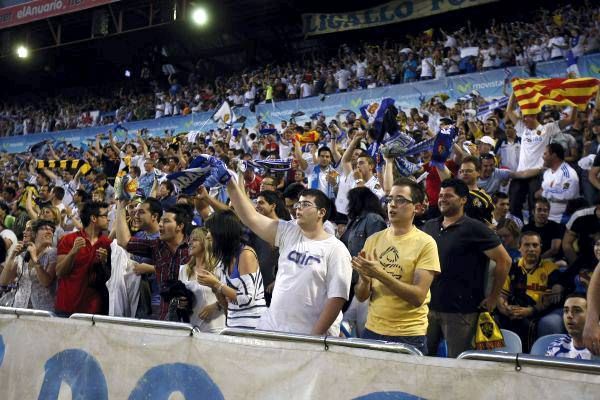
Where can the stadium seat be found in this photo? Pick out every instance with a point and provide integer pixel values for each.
(541, 344)
(512, 342)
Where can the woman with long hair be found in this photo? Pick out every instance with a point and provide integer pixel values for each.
(365, 217)
(207, 314)
(237, 280)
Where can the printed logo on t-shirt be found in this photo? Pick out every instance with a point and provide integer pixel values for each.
(303, 259)
(389, 260)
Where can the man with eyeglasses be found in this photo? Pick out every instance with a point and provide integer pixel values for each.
(465, 246)
(82, 262)
(396, 268)
(314, 271)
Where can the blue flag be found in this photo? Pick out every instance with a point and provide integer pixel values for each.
(382, 117)
(204, 170)
(442, 145)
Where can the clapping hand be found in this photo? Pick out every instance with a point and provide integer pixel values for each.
(206, 278)
(366, 265)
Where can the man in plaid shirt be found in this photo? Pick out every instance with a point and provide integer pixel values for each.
(167, 253)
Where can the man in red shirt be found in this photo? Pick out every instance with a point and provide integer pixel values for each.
(83, 260)
(252, 182)
(433, 182)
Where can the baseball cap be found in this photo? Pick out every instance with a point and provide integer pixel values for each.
(487, 140)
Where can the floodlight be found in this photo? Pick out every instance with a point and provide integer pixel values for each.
(200, 16)
(22, 52)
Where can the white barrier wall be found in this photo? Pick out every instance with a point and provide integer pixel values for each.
(52, 358)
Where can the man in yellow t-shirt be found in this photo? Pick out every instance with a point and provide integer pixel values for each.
(396, 268)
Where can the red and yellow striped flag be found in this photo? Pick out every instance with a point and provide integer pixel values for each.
(533, 94)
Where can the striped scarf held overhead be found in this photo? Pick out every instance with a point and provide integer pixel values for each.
(270, 165)
(65, 164)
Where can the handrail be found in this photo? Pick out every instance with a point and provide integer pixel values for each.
(519, 360)
(144, 323)
(324, 340)
(26, 311)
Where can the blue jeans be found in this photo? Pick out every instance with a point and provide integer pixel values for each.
(419, 342)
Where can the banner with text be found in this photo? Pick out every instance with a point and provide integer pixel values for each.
(55, 358)
(41, 9)
(489, 84)
(388, 13)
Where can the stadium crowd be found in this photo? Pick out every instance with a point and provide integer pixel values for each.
(303, 228)
(160, 91)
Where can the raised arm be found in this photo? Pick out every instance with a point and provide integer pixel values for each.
(29, 207)
(510, 109)
(388, 175)
(143, 145)
(264, 227)
(51, 175)
(52, 153)
(347, 157)
(298, 155)
(113, 145)
(97, 146)
(120, 226)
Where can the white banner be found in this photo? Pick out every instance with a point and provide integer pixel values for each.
(52, 358)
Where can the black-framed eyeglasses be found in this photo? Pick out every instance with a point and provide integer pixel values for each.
(398, 200)
(303, 204)
(102, 215)
(486, 156)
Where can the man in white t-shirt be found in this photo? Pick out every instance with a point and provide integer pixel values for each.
(346, 178)
(557, 45)
(314, 271)
(560, 183)
(426, 66)
(534, 139)
(342, 77)
(306, 89)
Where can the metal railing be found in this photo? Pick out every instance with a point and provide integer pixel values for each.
(520, 360)
(25, 311)
(327, 341)
(143, 323)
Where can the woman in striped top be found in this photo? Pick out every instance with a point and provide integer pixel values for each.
(237, 281)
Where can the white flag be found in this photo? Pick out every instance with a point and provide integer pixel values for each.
(224, 114)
